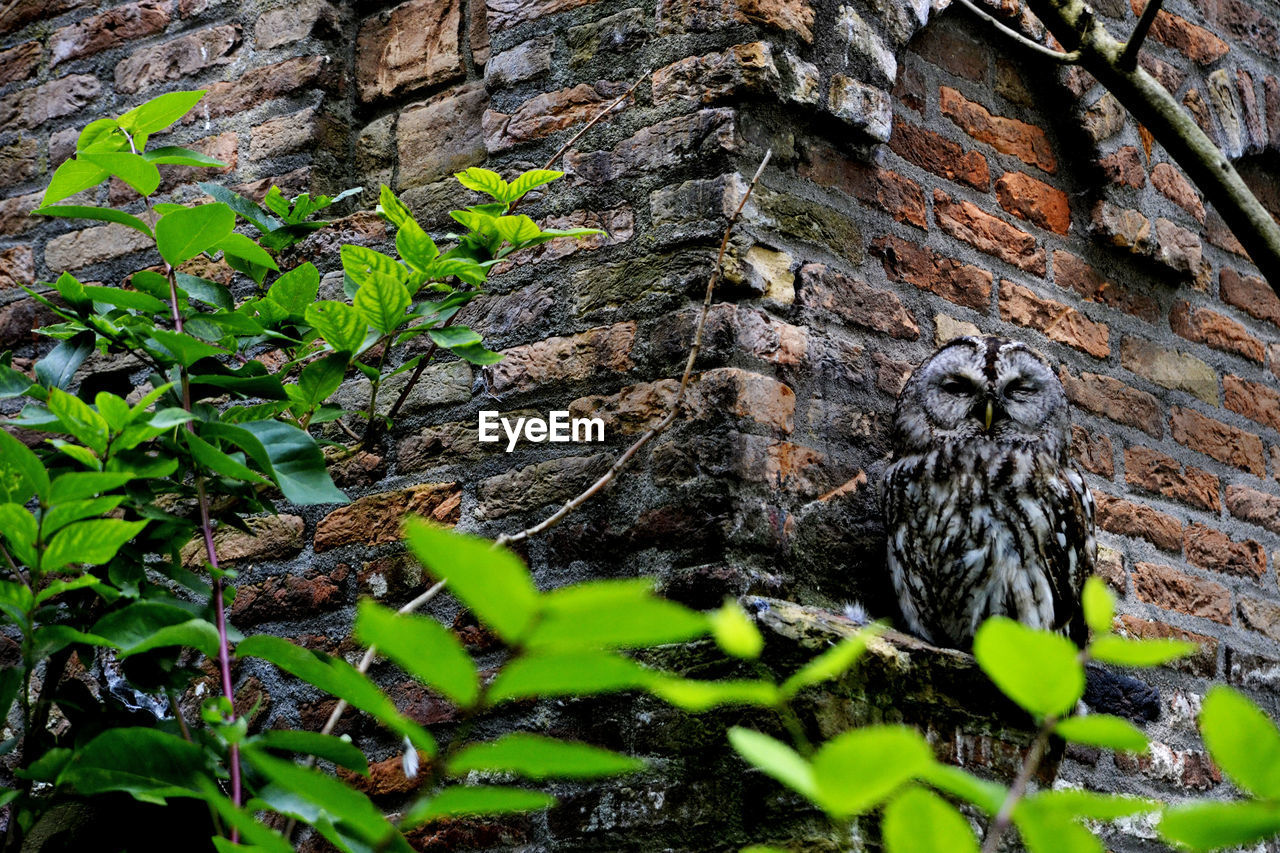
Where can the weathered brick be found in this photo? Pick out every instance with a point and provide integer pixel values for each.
(1110, 567)
(1249, 293)
(109, 29)
(1211, 328)
(1166, 587)
(855, 302)
(410, 47)
(1151, 470)
(547, 113)
(1261, 616)
(504, 14)
(899, 196)
(1008, 136)
(966, 221)
(441, 136)
(700, 80)
(55, 99)
(1196, 43)
(19, 161)
(1169, 180)
(288, 597)
(525, 61)
(1104, 118)
(937, 154)
(564, 359)
(1216, 551)
(93, 245)
(1253, 506)
(1181, 251)
(947, 328)
(1092, 451)
(20, 62)
(1254, 400)
(542, 483)
(1074, 274)
(180, 57)
(1035, 201)
(1229, 445)
(779, 464)
(306, 130)
(1124, 167)
(271, 537)
(1241, 22)
(1054, 320)
(868, 109)
(296, 21)
(1122, 227)
(14, 218)
(632, 410)
(17, 267)
(620, 34)
(1257, 672)
(952, 51)
(260, 85)
(1199, 109)
(743, 394)
(376, 519)
(1126, 518)
(1112, 399)
(1172, 369)
(1203, 662)
(19, 13)
(667, 143)
(927, 270)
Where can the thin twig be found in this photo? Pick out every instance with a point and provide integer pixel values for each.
(1030, 763)
(551, 161)
(627, 455)
(1129, 58)
(1050, 53)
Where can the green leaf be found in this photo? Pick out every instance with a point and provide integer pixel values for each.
(131, 299)
(298, 465)
(571, 673)
(341, 752)
(100, 214)
(1075, 803)
(209, 292)
(454, 336)
(72, 177)
(517, 229)
(460, 801)
(1103, 730)
(382, 301)
(735, 633)
(476, 354)
(342, 326)
(183, 234)
(485, 181)
(1049, 830)
(321, 378)
(988, 796)
(184, 348)
(1126, 652)
(1038, 670)
(159, 112)
(57, 368)
(50, 639)
(1243, 742)
(10, 682)
(102, 135)
(78, 485)
(131, 168)
(611, 614)
(21, 472)
(296, 289)
(198, 634)
(1202, 826)
(393, 208)
(364, 264)
(422, 647)
(537, 757)
(89, 542)
(240, 246)
(147, 763)
(531, 180)
(340, 678)
(241, 205)
(699, 696)
(919, 821)
(58, 587)
(80, 420)
(19, 529)
(415, 246)
(859, 769)
(173, 155)
(776, 759)
(1099, 605)
(831, 664)
(491, 581)
(218, 462)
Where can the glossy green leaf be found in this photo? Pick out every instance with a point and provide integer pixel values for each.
(1099, 605)
(296, 289)
(422, 647)
(63, 514)
(611, 614)
(484, 181)
(218, 462)
(1243, 742)
(735, 633)
(415, 246)
(454, 336)
(491, 581)
(48, 640)
(919, 821)
(986, 795)
(58, 587)
(340, 678)
(174, 155)
(22, 474)
(78, 419)
(159, 112)
(1203, 826)
(1049, 830)
(698, 696)
(241, 246)
(89, 542)
(859, 769)
(566, 673)
(198, 634)
(538, 757)
(364, 264)
(71, 177)
(776, 759)
(831, 664)
(184, 348)
(131, 168)
(1125, 652)
(19, 529)
(341, 752)
(461, 801)
(183, 234)
(131, 299)
(321, 378)
(476, 354)
(517, 229)
(102, 135)
(297, 463)
(393, 208)
(1038, 670)
(99, 214)
(1103, 730)
(210, 293)
(249, 211)
(147, 763)
(138, 622)
(57, 368)
(342, 326)
(382, 301)
(531, 180)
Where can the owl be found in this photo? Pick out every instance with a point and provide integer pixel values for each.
(985, 512)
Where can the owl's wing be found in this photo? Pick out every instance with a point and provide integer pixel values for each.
(1074, 560)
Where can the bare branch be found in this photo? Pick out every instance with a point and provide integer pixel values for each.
(1066, 58)
(1129, 58)
(597, 117)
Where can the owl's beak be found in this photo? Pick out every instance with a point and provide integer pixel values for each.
(990, 415)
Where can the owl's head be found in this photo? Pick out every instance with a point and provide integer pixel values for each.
(983, 388)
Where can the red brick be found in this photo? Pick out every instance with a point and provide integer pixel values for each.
(271, 537)
(410, 47)
(927, 270)
(966, 221)
(1008, 136)
(1254, 506)
(1112, 399)
(1123, 227)
(1171, 589)
(937, 154)
(302, 19)
(1241, 22)
(109, 29)
(1054, 320)
(909, 89)
(55, 99)
(856, 302)
(1203, 662)
(287, 597)
(714, 76)
(1254, 400)
(1074, 274)
(14, 218)
(1227, 444)
(376, 519)
(77, 249)
(1169, 180)
(1209, 327)
(1216, 551)
(952, 51)
(261, 85)
(1104, 118)
(1151, 470)
(1196, 43)
(547, 113)
(20, 62)
(1180, 249)
(1249, 293)
(743, 394)
(19, 13)
(306, 130)
(1126, 518)
(179, 57)
(1217, 233)
(1035, 201)
(1124, 167)
(564, 359)
(1092, 451)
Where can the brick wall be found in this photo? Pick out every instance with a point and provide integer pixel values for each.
(927, 181)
